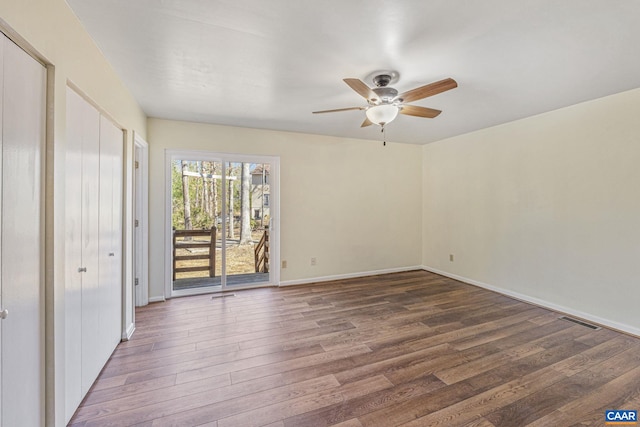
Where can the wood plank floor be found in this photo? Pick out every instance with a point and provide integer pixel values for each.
(404, 349)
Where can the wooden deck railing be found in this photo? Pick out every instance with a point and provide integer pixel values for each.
(188, 244)
(261, 252)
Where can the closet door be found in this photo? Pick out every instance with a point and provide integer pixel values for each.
(82, 290)
(22, 330)
(93, 293)
(111, 140)
(92, 361)
(73, 254)
(117, 303)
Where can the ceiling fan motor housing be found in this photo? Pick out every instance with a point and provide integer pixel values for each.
(382, 80)
(385, 94)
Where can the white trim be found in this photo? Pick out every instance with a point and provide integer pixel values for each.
(348, 276)
(167, 225)
(78, 90)
(541, 303)
(129, 332)
(274, 187)
(196, 291)
(218, 289)
(141, 202)
(157, 299)
(23, 44)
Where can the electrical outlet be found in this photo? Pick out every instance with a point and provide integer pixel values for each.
(284, 263)
(314, 261)
(451, 257)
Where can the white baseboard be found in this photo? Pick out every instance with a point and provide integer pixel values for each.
(622, 327)
(157, 299)
(129, 332)
(348, 276)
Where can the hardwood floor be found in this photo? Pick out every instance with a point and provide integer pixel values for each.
(404, 349)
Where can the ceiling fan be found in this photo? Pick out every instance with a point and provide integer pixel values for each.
(384, 102)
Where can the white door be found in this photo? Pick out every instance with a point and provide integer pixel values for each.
(93, 246)
(91, 296)
(110, 239)
(73, 254)
(82, 292)
(21, 289)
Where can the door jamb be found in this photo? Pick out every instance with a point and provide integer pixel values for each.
(141, 214)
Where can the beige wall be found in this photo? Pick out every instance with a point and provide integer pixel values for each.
(51, 30)
(546, 208)
(353, 204)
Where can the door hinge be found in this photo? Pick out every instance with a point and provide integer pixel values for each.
(136, 223)
(136, 281)
(137, 164)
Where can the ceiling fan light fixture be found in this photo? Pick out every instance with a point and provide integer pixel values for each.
(382, 114)
(384, 103)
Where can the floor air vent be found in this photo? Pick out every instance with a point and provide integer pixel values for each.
(223, 296)
(581, 323)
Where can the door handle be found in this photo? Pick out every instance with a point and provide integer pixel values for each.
(4, 313)
(112, 254)
(82, 270)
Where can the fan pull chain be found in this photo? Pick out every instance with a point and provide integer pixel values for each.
(384, 136)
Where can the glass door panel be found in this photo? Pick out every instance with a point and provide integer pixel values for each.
(196, 214)
(245, 261)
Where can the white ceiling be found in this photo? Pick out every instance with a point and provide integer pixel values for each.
(269, 64)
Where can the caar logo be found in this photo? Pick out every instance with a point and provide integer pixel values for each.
(620, 417)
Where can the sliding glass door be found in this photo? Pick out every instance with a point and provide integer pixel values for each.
(222, 222)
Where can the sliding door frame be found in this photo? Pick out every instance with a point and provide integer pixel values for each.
(274, 229)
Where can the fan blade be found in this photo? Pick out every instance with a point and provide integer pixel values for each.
(427, 90)
(339, 109)
(414, 110)
(360, 87)
(366, 122)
